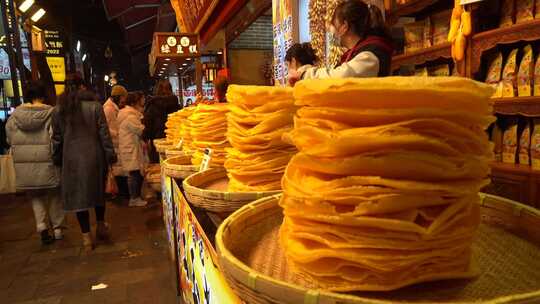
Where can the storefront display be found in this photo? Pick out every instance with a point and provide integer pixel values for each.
(200, 279)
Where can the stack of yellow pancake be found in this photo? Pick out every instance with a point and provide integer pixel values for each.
(174, 125)
(384, 190)
(208, 127)
(258, 118)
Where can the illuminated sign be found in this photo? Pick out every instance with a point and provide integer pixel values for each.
(177, 44)
(54, 43)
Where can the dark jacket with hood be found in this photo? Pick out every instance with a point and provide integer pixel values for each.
(82, 146)
(156, 113)
(29, 133)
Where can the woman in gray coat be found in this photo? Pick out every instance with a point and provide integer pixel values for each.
(83, 148)
(29, 133)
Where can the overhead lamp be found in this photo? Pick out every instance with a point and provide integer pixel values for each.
(165, 64)
(84, 57)
(37, 15)
(26, 5)
(188, 58)
(220, 53)
(167, 59)
(106, 78)
(184, 64)
(78, 45)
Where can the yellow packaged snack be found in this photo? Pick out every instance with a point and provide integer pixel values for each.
(441, 27)
(509, 76)
(525, 145)
(440, 70)
(526, 72)
(510, 143)
(507, 13)
(497, 139)
(537, 77)
(414, 36)
(535, 144)
(524, 10)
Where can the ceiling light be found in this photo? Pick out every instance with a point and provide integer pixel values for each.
(184, 64)
(188, 58)
(165, 64)
(220, 53)
(106, 78)
(37, 15)
(26, 5)
(78, 45)
(167, 59)
(84, 57)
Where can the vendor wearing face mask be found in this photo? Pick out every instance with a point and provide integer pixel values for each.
(360, 28)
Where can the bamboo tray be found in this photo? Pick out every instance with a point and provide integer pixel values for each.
(507, 248)
(208, 190)
(179, 167)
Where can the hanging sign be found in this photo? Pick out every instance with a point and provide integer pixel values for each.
(57, 66)
(177, 44)
(284, 33)
(54, 43)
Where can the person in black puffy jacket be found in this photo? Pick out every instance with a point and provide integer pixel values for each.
(157, 108)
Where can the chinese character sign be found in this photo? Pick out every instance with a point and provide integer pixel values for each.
(178, 44)
(283, 33)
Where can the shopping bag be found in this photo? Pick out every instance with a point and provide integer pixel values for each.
(111, 187)
(7, 175)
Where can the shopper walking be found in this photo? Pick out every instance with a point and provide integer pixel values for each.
(83, 148)
(132, 156)
(156, 111)
(29, 133)
(111, 108)
(360, 29)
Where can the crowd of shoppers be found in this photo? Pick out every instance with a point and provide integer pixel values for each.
(63, 154)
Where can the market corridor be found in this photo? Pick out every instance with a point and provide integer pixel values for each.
(135, 268)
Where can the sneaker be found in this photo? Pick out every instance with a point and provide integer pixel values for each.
(137, 202)
(46, 238)
(58, 234)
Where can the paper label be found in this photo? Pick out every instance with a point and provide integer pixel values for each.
(205, 164)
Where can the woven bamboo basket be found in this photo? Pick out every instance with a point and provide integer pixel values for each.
(179, 167)
(153, 177)
(507, 249)
(208, 190)
(162, 145)
(173, 152)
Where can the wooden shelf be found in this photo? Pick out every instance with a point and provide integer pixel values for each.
(525, 106)
(498, 167)
(481, 42)
(410, 8)
(422, 56)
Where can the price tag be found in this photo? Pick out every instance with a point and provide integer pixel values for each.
(179, 144)
(205, 164)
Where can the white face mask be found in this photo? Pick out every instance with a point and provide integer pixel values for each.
(333, 37)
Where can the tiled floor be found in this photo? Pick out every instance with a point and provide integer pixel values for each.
(135, 267)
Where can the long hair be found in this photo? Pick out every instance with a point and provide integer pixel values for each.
(69, 102)
(163, 88)
(363, 19)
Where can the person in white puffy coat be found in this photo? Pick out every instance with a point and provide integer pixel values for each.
(131, 146)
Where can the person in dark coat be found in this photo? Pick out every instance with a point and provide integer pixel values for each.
(156, 112)
(82, 146)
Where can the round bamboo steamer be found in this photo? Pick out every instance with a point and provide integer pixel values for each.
(208, 190)
(179, 167)
(506, 248)
(173, 152)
